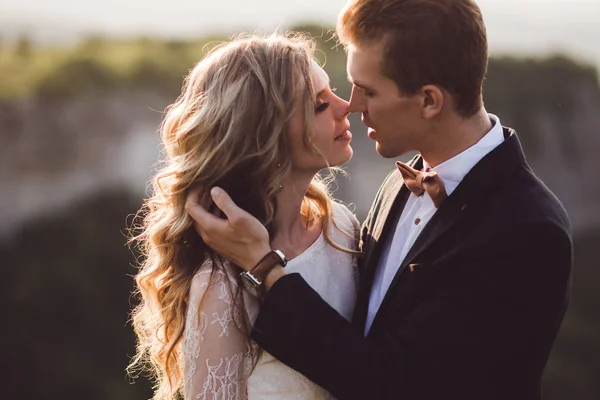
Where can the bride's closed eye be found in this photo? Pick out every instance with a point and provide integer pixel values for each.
(321, 107)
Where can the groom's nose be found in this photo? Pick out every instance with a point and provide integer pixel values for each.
(357, 101)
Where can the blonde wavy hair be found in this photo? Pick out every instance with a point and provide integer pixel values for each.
(229, 129)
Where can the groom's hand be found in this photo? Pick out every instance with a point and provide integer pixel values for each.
(240, 238)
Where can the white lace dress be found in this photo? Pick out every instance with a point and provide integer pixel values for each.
(216, 355)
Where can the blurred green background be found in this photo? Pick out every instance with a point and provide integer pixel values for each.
(78, 142)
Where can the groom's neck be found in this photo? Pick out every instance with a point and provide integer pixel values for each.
(453, 135)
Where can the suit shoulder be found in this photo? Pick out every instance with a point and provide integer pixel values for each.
(533, 201)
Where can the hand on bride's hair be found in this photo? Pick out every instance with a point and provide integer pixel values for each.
(240, 238)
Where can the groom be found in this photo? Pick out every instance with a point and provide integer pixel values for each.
(467, 255)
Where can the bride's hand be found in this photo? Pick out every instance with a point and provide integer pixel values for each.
(240, 238)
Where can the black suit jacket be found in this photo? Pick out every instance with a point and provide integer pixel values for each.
(472, 312)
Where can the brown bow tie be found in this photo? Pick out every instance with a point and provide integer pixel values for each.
(419, 182)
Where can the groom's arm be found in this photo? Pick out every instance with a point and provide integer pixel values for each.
(300, 329)
(491, 310)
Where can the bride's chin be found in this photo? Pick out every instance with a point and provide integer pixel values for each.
(349, 154)
(342, 158)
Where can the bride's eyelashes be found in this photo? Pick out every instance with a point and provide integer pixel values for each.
(321, 107)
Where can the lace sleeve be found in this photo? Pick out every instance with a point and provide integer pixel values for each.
(215, 350)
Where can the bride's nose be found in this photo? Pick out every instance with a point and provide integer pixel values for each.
(342, 108)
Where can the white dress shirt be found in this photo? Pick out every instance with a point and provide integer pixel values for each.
(418, 211)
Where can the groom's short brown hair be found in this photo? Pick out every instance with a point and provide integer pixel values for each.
(439, 42)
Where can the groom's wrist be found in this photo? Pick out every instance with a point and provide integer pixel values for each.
(254, 257)
(273, 276)
(258, 274)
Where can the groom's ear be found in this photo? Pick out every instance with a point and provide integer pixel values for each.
(432, 101)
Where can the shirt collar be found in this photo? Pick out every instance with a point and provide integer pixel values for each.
(453, 171)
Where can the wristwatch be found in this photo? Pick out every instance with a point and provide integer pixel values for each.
(256, 276)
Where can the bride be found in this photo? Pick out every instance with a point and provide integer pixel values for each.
(258, 118)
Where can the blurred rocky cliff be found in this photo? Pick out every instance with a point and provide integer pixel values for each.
(85, 129)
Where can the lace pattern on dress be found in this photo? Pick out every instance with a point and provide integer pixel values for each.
(215, 351)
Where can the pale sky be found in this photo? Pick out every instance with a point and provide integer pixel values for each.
(520, 26)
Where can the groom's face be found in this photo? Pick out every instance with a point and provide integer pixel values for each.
(393, 120)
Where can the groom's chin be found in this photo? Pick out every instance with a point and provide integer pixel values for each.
(388, 152)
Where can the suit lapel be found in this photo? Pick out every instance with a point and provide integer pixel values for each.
(393, 198)
(492, 171)
(450, 212)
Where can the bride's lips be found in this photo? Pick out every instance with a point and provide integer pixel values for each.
(346, 135)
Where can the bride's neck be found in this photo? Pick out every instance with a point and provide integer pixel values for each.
(292, 227)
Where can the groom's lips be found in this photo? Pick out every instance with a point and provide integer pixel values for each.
(370, 131)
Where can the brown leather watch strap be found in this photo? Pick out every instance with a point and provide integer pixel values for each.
(260, 271)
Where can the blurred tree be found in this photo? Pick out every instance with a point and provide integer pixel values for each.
(68, 280)
(150, 75)
(75, 77)
(176, 46)
(92, 46)
(23, 47)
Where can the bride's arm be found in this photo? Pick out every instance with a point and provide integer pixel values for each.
(214, 347)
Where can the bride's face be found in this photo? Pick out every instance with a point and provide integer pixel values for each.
(331, 139)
